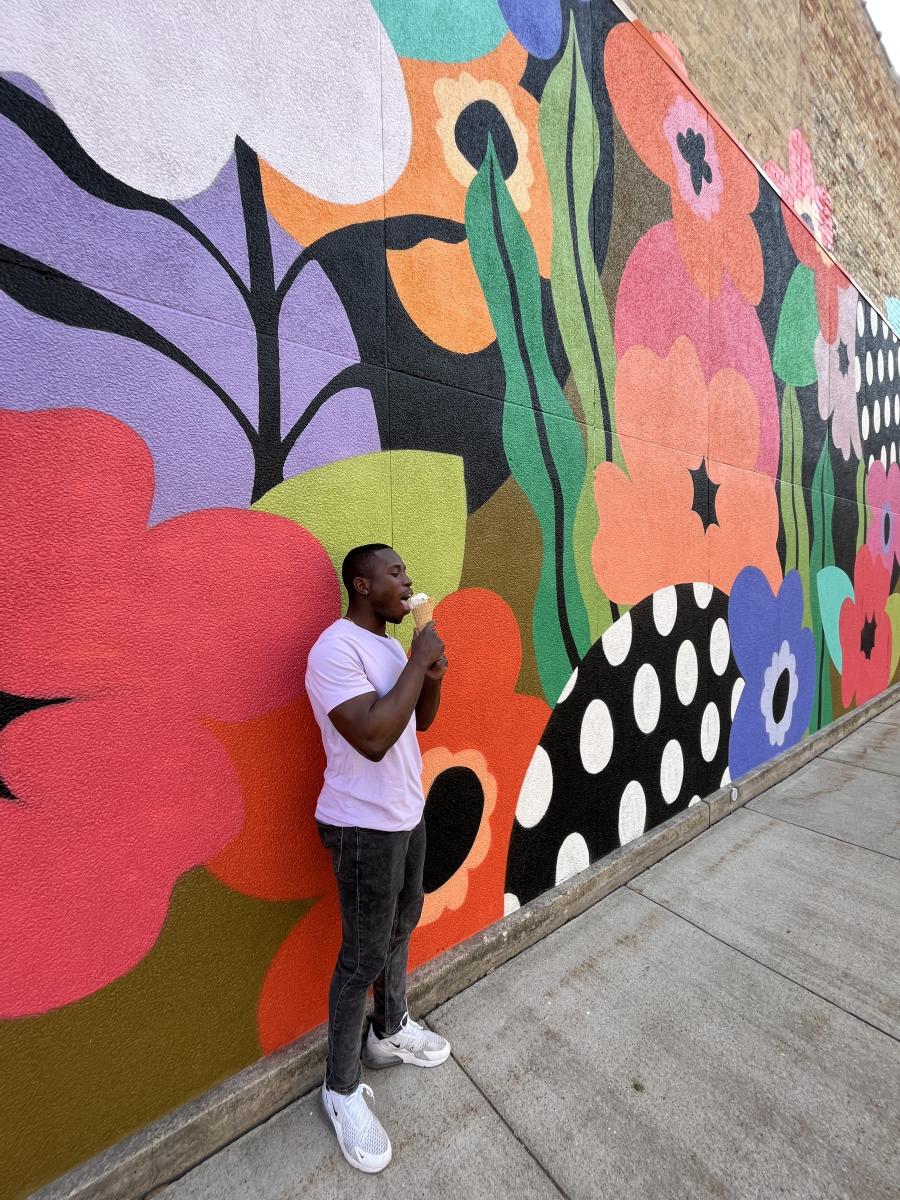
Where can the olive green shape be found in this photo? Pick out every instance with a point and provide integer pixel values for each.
(83, 1077)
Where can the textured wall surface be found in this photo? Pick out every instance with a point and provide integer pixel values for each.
(816, 65)
(485, 280)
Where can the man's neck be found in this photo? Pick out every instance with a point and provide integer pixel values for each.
(365, 618)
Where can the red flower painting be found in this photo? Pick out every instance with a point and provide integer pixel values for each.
(865, 631)
(120, 643)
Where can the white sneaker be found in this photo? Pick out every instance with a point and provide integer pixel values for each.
(410, 1044)
(360, 1134)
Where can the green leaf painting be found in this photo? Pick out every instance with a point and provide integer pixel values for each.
(833, 587)
(570, 142)
(822, 555)
(544, 446)
(798, 327)
(861, 511)
(791, 497)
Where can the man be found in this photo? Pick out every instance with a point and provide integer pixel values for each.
(369, 701)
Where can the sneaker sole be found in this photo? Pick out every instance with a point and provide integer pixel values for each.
(337, 1133)
(401, 1057)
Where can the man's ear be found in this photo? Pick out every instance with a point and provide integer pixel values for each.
(361, 585)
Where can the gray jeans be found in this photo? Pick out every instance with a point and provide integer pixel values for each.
(379, 878)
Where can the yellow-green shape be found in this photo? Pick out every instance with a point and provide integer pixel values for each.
(413, 500)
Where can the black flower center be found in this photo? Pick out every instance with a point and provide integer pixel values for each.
(692, 147)
(780, 696)
(474, 125)
(867, 637)
(806, 218)
(843, 357)
(453, 811)
(12, 706)
(704, 503)
(887, 531)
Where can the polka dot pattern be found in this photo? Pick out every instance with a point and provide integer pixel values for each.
(878, 350)
(643, 730)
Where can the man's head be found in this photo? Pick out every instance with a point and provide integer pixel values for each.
(375, 577)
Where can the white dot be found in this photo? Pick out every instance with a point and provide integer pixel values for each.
(736, 692)
(567, 690)
(709, 732)
(703, 594)
(894, 452)
(873, 320)
(884, 458)
(510, 903)
(573, 857)
(647, 698)
(686, 672)
(671, 771)
(719, 646)
(876, 416)
(890, 362)
(537, 789)
(726, 778)
(897, 408)
(617, 641)
(693, 800)
(596, 743)
(665, 609)
(632, 813)
(865, 423)
(880, 366)
(887, 411)
(869, 371)
(871, 461)
(884, 328)
(857, 373)
(860, 318)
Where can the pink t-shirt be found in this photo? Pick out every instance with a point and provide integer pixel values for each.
(347, 661)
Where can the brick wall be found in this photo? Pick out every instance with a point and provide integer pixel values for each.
(766, 67)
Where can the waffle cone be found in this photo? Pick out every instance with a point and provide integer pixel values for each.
(423, 613)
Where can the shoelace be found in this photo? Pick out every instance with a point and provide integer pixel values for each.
(415, 1032)
(357, 1109)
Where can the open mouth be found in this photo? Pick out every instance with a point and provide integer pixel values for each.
(404, 602)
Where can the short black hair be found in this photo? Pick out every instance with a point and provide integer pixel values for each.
(356, 562)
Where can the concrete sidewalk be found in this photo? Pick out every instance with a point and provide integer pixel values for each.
(727, 1025)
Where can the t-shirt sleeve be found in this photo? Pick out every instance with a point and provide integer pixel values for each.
(334, 674)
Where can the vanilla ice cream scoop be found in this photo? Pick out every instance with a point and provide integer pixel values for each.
(421, 606)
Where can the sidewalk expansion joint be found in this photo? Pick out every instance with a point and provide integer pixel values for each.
(766, 966)
(821, 833)
(486, 1098)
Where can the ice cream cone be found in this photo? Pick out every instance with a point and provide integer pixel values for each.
(422, 611)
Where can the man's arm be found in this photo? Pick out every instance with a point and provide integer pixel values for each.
(372, 725)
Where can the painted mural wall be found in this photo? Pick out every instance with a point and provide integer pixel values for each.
(484, 280)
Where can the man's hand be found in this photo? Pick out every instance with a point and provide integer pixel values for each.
(428, 650)
(437, 670)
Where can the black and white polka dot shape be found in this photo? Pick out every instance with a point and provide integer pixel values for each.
(640, 731)
(877, 386)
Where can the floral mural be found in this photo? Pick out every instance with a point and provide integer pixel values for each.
(484, 280)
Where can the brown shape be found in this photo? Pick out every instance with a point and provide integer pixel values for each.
(503, 553)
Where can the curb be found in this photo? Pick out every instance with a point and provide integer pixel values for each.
(171, 1146)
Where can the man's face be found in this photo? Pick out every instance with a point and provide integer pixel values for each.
(389, 586)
